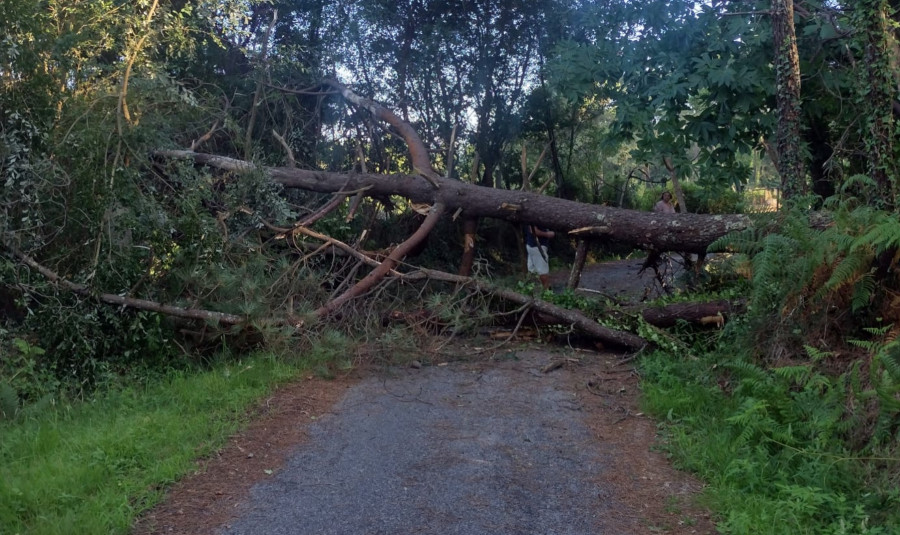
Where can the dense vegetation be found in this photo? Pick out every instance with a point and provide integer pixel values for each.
(792, 413)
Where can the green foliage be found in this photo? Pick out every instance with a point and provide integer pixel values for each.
(93, 467)
(802, 276)
(792, 417)
(769, 443)
(25, 383)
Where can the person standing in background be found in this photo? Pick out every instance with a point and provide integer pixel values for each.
(664, 204)
(537, 244)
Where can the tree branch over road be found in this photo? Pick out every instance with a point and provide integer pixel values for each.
(662, 232)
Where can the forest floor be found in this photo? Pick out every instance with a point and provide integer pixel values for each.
(525, 439)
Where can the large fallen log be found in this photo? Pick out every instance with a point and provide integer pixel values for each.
(661, 232)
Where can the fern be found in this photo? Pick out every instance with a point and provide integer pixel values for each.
(868, 345)
(851, 267)
(795, 374)
(889, 357)
(745, 241)
(882, 235)
(815, 353)
(751, 417)
(863, 291)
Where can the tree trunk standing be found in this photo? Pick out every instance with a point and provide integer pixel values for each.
(563, 190)
(470, 226)
(877, 91)
(676, 185)
(578, 265)
(402, 68)
(260, 86)
(821, 149)
(470, 229)
(787, 93)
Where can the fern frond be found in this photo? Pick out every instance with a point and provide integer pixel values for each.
(889, 357)
(863, 291)
(878, 331)
(853, 266)
(776, 268)
(866, 182)
(815, 353)
(868, 345)
(834, 243)
(745, 241)
(795, 374)
(750, 417)
(884, 235)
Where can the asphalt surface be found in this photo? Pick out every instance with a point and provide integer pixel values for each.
(456, 449)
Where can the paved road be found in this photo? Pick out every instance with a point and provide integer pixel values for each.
(456, 449)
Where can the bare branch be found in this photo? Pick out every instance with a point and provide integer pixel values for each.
(417, 151)
(289, 154)
(389, 263)
(139, 304)
(205, 137)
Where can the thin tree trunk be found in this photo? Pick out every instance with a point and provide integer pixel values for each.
(676, 185)
(260, 85)
(578, 265)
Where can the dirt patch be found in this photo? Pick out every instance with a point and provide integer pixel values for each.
(656, 498)
(635, 490)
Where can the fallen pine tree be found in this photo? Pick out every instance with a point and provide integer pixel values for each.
(443, 197)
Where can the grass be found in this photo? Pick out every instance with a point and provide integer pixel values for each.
(92, 467)
(768, 444)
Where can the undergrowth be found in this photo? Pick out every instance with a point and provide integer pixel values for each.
(92, 467)
(792, 414)
(769, 443)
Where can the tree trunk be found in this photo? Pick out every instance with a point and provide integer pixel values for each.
(676, 185)
(787, 94)
(469, 228)
(661, 232)
(710, 313)
(578, 265)
(877, 96)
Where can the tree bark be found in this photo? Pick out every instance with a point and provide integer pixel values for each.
(787, 94)
(662, 232)
(702, 313)
(387, 265)
(577, 266)
(470, 229)
(877, 94)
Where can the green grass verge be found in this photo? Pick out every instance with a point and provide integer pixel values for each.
(768, 444)
(92, 467)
